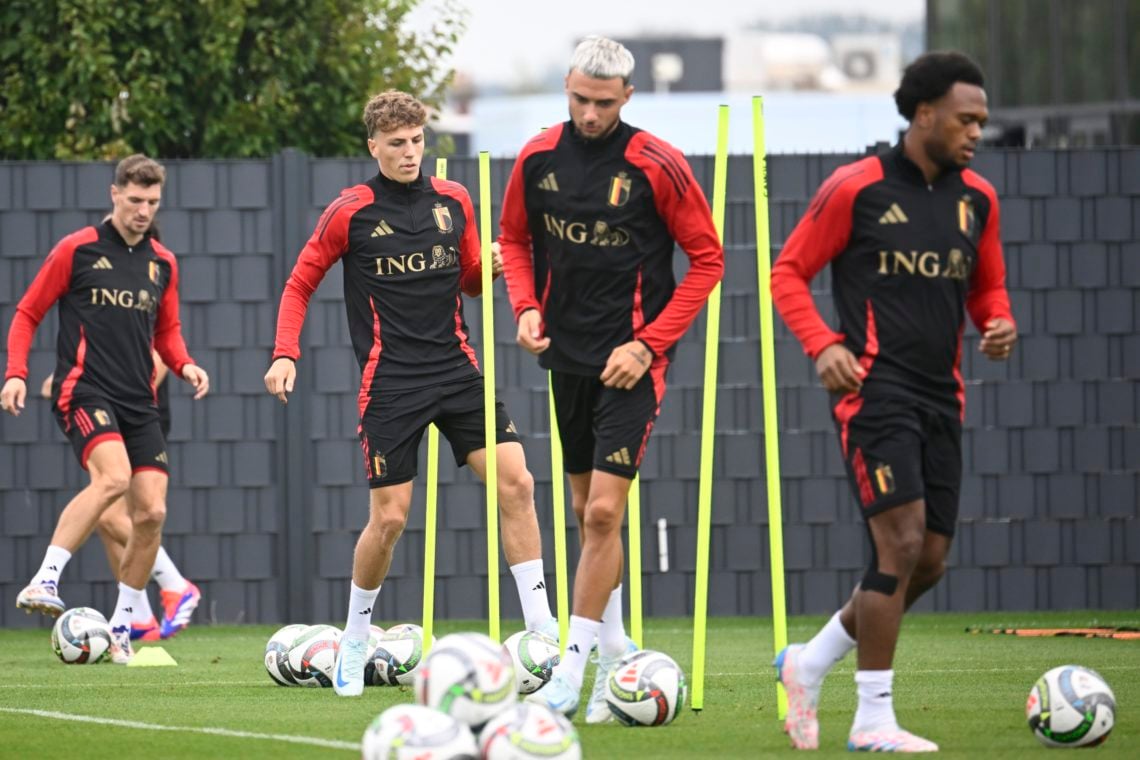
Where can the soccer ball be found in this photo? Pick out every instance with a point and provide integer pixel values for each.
(526, 731)
(412, 732)
(646, 689)
(467, 676)
(277, 654)
(395, 656)
(312, 656)
(81, 636)
(534, 656)
(1071, 706)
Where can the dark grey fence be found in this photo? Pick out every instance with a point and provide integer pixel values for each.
(266, 501)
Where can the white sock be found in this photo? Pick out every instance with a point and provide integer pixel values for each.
(531, 584)
(129, 600)
(876, 711)
(360, 603)
(581, 637)
(55, 559)
(165, 572)
(611, 637)
(826, 648)
(143, 612)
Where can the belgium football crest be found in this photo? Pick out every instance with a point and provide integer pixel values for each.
(442, 218)
(619, 190)
(153, 266)
(966, 218)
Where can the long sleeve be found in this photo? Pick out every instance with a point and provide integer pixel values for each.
(50, 283)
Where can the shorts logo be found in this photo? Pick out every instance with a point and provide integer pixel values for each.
(162, 458)
(442, 218)
(511, 427)
(378, 467)
(885, 479)
(619, 190)
(102, 418)
(621, 456)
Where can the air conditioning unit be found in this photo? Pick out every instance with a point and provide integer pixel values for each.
(868, 60)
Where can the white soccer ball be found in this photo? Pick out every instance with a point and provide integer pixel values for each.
(277, 654)
(395, 655)
(646, 688)
(312, 656)
(412, 732)
(1071, 706)
(533, 656)
(467, 676)
(81, 636)
(526, 732)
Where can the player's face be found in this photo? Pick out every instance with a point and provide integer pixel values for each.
(956, 125)
(398, 152)
(595, 104)
(134, 207)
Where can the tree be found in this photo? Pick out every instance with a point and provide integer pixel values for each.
(97, 79)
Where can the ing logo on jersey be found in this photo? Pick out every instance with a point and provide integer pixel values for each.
(967, 220)
(619, 190)
(441, 257)
(442, 218)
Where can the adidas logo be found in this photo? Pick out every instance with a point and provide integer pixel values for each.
(540, 587)
(549, 183)
(102, 263)
(162, 458)
(894, 215)
(619, 457)
(365, 612)
(128, 609)
(573, 648)
(53, 568)
(382, 229)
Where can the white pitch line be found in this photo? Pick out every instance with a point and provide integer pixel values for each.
(310, 740)
(930, 671)
(156, 685)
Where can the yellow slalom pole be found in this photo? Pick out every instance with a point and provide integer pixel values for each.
(432, 497)
(489, 422)
(558, 488)
(635, 561)
(708, 426)
(768, 389)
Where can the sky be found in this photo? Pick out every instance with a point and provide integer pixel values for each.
(511, 39)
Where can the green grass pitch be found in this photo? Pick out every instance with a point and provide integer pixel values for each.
(966, 692)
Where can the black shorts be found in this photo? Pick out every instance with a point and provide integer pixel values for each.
(604, 428)
(393, 424)
(897, 452)
(90, 420)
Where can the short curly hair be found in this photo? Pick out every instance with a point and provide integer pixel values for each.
(931, 75)
(392, 110)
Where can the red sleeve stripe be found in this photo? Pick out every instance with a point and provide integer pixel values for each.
(828, 189)
(330, 212)
(654, 153)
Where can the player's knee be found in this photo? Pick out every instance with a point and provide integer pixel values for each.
(900, 553)
(149, 518)
(603, 517)
(389, 526)
(112, 484)
(516, 490)
(929, 572)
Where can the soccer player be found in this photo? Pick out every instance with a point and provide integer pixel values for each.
(117, 290)
(591, 214)
(409, 246)
(179, 596)
(912, 239)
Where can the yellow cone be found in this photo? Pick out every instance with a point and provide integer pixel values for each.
(151, 657)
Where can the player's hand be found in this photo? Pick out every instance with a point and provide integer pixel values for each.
(280, 378)
(530, 335)
(45, 389)
(627, 363)
(998, 339)
(496, 260)
(839, 370)
(198, 378)
(13, 395)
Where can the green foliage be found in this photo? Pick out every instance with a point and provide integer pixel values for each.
(96, 79)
